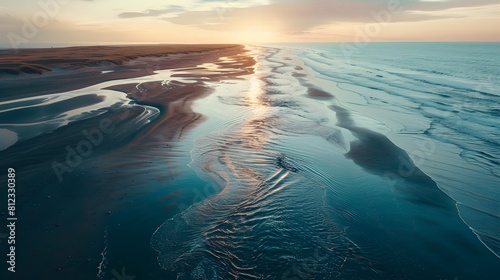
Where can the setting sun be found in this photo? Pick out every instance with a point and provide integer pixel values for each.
(255, 36)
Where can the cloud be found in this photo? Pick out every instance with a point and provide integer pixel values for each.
(294, 16)
(152, 12)
(447, 4)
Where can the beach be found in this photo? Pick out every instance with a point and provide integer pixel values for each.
(78, 162)
(282, 161)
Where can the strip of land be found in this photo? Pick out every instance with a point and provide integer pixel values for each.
(37, 61)
(70, 192)
(65, 69)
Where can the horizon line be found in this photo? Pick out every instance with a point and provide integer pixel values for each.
(92, 44)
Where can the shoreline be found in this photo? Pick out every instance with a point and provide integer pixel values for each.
(131, 155)
(39, 61)
(28, 85)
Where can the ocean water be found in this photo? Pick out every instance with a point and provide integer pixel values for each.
(390, 171)
(330, 161)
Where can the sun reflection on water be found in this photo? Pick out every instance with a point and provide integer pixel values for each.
(255, 95)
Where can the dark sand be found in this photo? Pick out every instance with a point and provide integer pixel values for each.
(62, 223)
(37, 61)
(317, 93)
(77, 75)
(378, 155)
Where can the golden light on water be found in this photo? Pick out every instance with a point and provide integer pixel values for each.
(255, 95)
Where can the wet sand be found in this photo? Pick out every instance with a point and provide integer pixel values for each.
(376, 154)
(38, 61)
(317, 93)
(69, 192)
(75, 75)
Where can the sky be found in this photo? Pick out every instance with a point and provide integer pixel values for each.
(76, 22)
